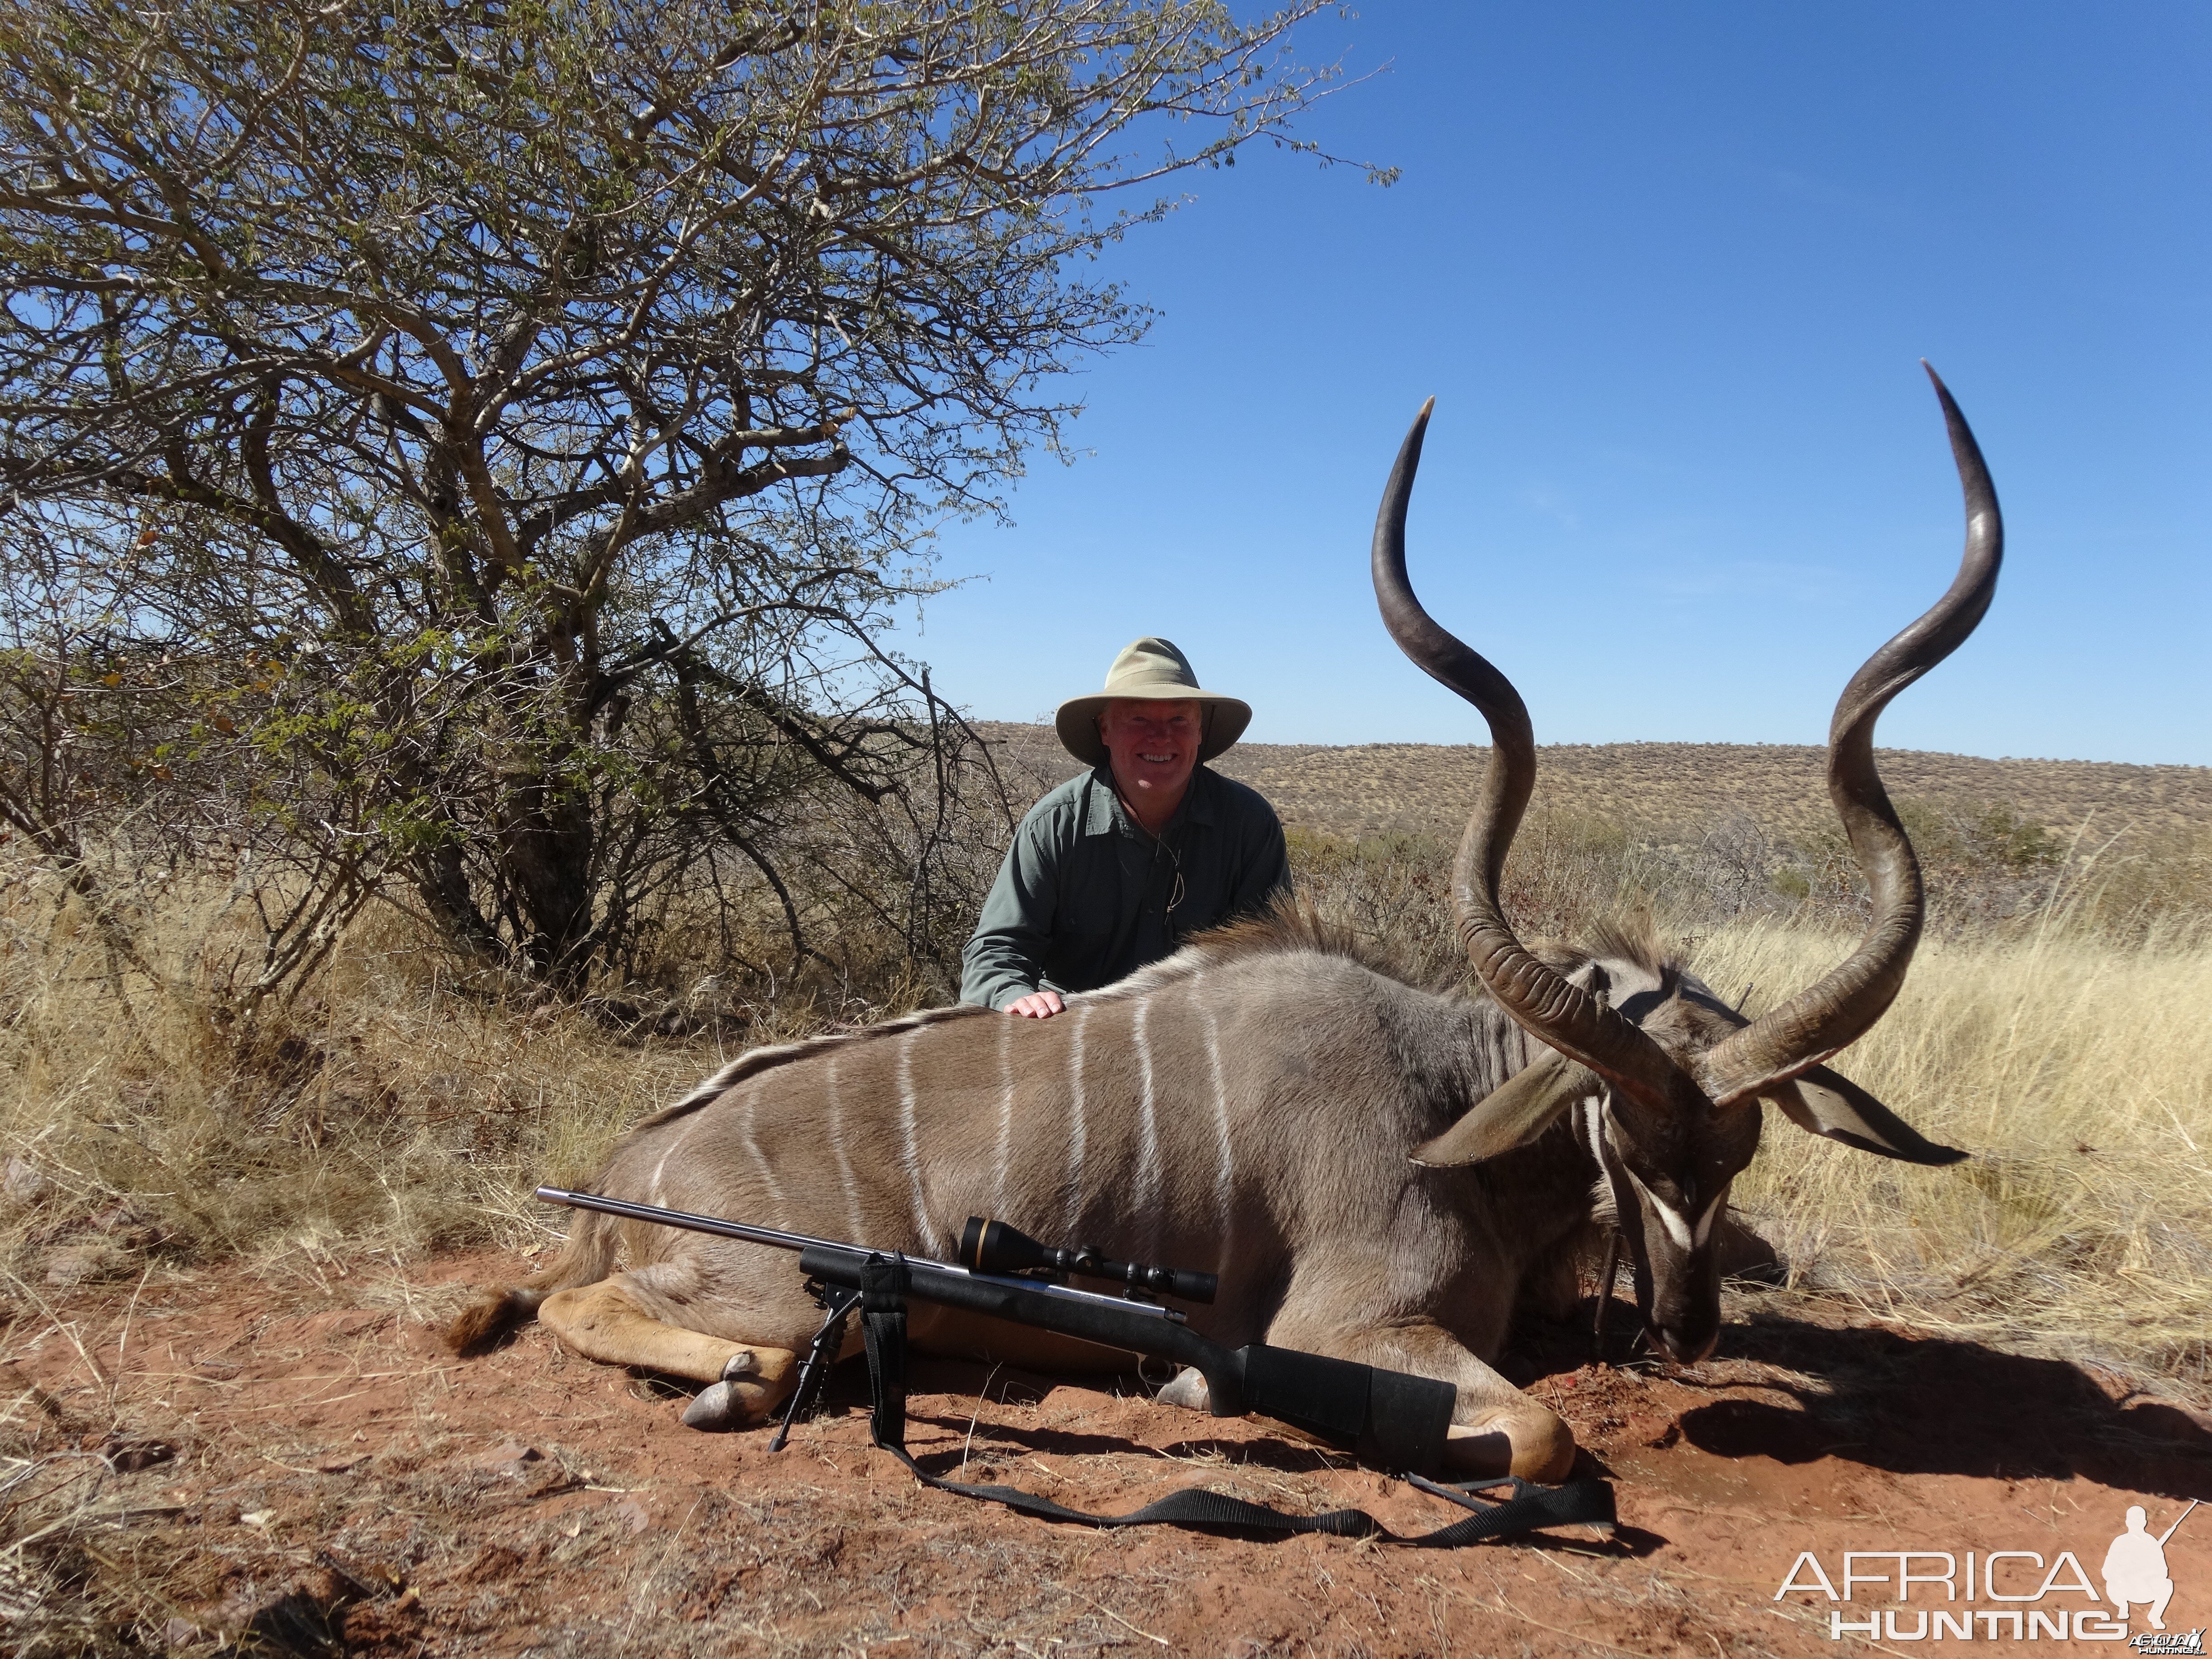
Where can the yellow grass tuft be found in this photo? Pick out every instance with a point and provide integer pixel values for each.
(398, 1108)
(2078, 1074)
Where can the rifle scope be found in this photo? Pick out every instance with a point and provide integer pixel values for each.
(993, 1247)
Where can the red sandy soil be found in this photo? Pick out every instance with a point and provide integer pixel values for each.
(254, 1467)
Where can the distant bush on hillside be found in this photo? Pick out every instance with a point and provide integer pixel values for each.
(1988, 872)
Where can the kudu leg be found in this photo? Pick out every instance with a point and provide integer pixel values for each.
(606, 1322)
(1495, 1429)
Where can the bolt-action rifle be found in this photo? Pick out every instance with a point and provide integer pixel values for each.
(1388, 1420)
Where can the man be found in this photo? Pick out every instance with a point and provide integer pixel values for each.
(1118, 865)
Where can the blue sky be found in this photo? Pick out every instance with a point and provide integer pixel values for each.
(1668, 272)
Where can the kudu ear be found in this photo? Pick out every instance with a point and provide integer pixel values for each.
(1824, 1102)
(1513, 1114)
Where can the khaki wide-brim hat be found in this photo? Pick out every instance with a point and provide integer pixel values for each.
(1150, 670)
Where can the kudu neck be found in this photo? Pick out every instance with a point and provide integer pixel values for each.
(1542, 1191)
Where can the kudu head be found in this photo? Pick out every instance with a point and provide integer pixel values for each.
(1670, 1077)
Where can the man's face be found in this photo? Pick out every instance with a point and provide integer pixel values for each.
(1154, 745)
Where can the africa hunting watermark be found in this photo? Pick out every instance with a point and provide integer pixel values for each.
(2133, 1572)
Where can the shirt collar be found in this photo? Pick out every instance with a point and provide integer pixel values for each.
(1106, 815)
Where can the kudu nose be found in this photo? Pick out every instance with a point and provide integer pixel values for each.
(1683, 1348)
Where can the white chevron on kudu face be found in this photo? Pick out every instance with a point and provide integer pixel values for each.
(1676, 1225)
(1712, 1213)
(1686, 1233)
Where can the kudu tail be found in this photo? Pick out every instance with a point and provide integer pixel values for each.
(584, 1260)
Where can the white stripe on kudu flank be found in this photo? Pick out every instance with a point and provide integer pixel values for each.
(1226, 1173)
(1148, 1136)
(844, 1162)
(1006, 1113)
(1075, 1123)
(767, 1176)
(910, 1154)
(652, 1194)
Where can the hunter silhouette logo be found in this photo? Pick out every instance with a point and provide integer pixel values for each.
(2135, 1567)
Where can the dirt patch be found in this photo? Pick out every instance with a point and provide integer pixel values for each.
(304, 1470)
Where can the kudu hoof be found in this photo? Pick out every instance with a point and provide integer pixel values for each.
(715, 1409)
(1188, 1391)
(718, 1406)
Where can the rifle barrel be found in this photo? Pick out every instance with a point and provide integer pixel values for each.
(697, 1223)
(720, 1227)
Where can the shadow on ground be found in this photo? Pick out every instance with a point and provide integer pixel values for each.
(1909, 1404)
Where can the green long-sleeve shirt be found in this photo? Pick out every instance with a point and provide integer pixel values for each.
(1082, 897)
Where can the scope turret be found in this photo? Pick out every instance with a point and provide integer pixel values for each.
(993, 1247)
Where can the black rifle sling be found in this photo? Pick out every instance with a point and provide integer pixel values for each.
(883, 1281)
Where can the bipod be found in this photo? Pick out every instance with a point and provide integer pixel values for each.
(814, 1374)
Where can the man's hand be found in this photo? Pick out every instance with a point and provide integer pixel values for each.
(1037, 1005)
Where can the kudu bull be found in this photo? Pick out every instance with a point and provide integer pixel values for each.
(1375, 1172)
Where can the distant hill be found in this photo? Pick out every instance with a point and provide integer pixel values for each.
(1428, 788)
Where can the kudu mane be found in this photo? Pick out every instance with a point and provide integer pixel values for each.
(753, 1061)
(1286, 928)
(1293, 927)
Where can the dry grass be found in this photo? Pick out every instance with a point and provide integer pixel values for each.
(400, 1108)
(2077, 1073)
